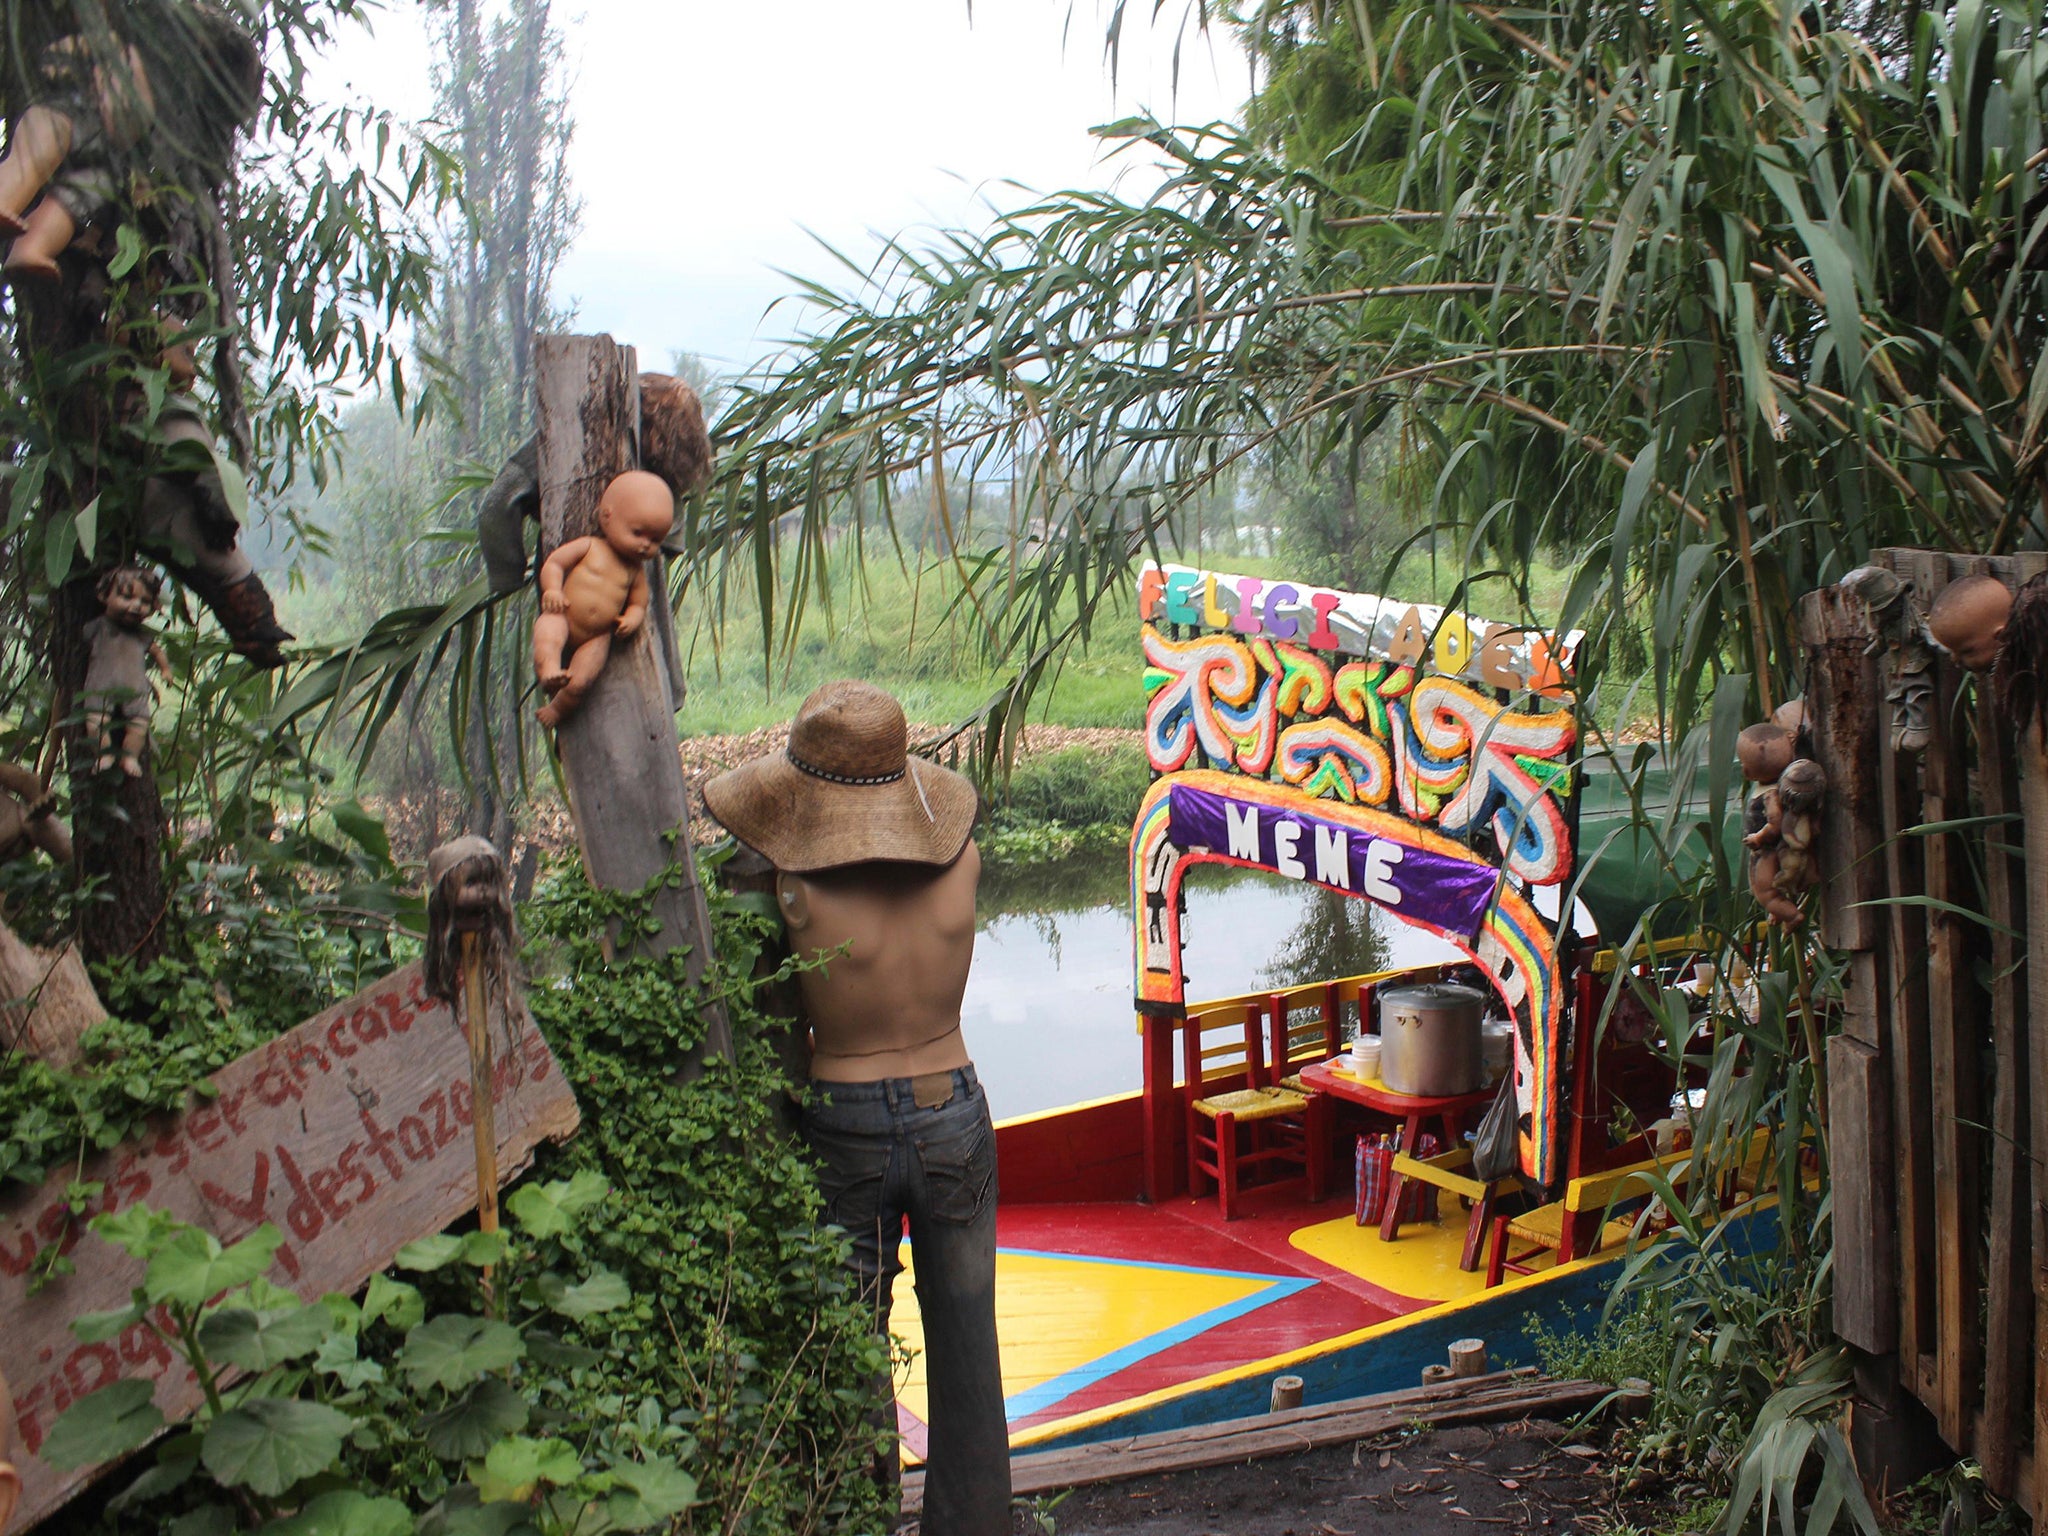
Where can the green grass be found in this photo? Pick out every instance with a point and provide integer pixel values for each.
(903, 630)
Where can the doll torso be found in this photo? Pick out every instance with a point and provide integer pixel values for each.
(595, 591)
(118, 671)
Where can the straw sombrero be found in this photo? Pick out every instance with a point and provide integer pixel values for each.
(845, 790)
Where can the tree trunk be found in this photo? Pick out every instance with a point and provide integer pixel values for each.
(117, 822)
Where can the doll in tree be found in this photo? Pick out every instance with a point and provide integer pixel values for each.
(58, 174)
(1783, 866)
(595, 588)
(118, 694)
(99, 115)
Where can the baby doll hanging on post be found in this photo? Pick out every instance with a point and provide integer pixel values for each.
(595, 588)
(1787, 816)
(118, 695)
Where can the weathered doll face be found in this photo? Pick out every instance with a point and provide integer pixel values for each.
(1764, 752)
(1969, 622)
(130, 602)
(635, 515)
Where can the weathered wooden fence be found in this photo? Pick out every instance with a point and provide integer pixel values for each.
(1938, 1079)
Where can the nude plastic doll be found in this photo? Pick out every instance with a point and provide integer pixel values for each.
(595, 588)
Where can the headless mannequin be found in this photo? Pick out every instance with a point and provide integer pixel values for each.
(896, 941)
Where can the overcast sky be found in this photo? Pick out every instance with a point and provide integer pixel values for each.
(711, 137)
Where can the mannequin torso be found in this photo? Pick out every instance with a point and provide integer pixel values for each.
(889, 1006)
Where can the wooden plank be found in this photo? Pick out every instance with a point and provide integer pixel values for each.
(1953, 1025)
(1860, 1142)
(351, 1134)
(1483, 1398)
(2009, 1302)
(619, 756)
(2033, 791)
(1844, 699)
(1906, 1046)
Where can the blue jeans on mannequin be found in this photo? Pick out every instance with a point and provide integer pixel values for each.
(924, 1148)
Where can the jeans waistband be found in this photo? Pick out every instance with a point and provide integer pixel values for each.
(896, 1092)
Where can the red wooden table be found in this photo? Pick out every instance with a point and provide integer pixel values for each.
(1334, 1078)
(1411, 1110)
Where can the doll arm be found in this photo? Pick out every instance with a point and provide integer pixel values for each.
(636, 604)
(163, 662)
(555, 570)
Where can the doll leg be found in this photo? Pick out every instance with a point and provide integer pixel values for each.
(38, 145)
(49, 233)
(550, 639)
(133, 739)
(584, 664)
(97, 722)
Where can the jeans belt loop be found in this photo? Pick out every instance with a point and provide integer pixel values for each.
(932, 1090)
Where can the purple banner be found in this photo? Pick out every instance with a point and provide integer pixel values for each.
(1446, 893)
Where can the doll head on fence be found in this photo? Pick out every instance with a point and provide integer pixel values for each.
(1968, 620)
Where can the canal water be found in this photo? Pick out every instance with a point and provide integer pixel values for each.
(1048, 1015)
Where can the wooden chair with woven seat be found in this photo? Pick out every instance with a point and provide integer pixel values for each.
(1282, 1125)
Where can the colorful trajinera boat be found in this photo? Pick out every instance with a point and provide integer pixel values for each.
(1260, 1207)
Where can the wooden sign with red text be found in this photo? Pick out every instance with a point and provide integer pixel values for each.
(351, 1134)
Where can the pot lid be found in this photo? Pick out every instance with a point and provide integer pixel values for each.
(1433, 994)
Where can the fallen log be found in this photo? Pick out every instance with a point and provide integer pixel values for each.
(1504, 1395)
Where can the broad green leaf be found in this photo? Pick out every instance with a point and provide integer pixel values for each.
(481, 1250)
(516, 1465)
(270, 1443)
(462, 1513)
(89, 528)
(544, 1348)
(394, 1302)
(452, 1351)
(207, 1520)
(137, 1230)
(474, 1422)
(191, 1268)
(258, 1340)
(602, 1292)
(426, 1254)
(551, 1209)
(363, 829)
(128, 250)
(170, 1471)
(652, 1492)
(345, 1512)
(98, 1327)
(340, 1356)
(102, 1425)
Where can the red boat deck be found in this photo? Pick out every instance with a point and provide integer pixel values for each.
(1104, 1306)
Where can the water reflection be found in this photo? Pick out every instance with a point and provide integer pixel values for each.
(1048, 1013)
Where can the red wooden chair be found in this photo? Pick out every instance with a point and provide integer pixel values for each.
(1237, 1132)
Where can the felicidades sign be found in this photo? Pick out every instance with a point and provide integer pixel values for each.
(351, 1134)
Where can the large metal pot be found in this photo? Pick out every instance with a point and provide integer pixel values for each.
(1430, 1040)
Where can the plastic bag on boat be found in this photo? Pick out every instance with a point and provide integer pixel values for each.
(1495, 1152)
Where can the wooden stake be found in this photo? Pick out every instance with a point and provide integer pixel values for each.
(476, 1025)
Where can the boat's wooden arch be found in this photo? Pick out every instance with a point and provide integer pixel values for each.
(1371, 747)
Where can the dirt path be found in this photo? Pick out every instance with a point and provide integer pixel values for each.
(1530, 1476)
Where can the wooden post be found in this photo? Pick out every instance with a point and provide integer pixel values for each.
(2033, 791)
(2009, 1287)
(1953, 1061)
(618, 752)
